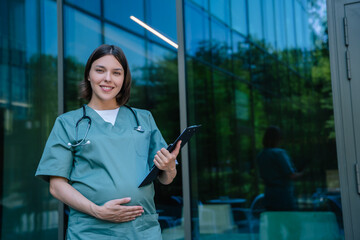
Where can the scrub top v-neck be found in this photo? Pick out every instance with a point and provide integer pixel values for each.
(110, 167)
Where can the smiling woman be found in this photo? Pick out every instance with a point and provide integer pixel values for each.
(106, 79)
(99, 180)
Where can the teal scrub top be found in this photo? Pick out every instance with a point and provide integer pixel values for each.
(110, 167)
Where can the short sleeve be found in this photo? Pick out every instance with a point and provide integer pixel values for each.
(156, 141)
(285, 163)
(57, 158)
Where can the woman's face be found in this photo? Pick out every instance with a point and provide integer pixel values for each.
(106, 78)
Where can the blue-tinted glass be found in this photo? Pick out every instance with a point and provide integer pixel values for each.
(50, 32)
(269, 25)
(196, 35)
(28, 107)
(161, 15)
(32, 31)
(241, 52)
(306, 26)
(202, 3)
(161, 96)
(220, 9)
(134, 49)
(280, 25)
(92, 6)
(80, 28)
(255, 20)
(163, 89)
(299, 28)
(290, 25)
(120, 11)
(238, 16)
(220, 45)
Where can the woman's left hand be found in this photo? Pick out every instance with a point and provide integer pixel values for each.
(165, 160)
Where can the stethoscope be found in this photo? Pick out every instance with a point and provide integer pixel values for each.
(88, 119)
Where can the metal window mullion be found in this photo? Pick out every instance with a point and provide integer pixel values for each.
(183, 117)
(60, 98)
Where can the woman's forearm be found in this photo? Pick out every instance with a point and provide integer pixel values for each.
(63, 191)
(113, 210)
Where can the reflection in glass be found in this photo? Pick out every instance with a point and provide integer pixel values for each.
(274, 79)
(280, 26)
(92, 6)
(239, 16)
(220, 45)
(197, 35)
(240, 56)
(119, 12)
(269, 25)
(255, 20)
(220, 9)
(163, 21)
(133, 47)
(80, 29)
(28, 107)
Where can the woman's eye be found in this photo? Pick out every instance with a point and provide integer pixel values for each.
(99, 70)
(117, 73)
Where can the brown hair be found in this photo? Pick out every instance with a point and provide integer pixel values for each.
(272, 137)
(103, 50)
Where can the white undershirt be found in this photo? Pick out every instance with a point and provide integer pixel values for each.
(108, 115)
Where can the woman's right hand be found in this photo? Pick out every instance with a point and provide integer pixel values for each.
(115, 211)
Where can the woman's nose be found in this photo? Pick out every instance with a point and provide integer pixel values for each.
(108, 77)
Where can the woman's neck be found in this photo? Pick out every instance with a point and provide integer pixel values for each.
(103, 105)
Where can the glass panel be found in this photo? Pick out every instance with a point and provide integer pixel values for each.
(241, 56)
(28, 108)
(162, 99)
(203, 3)
(220, 45)
(92, 6)
(291, 33)
(290, 25)
(234, 189)
(134, 49)
(269, 25)
(161, 15)
(220, 9)
(280, 26)
(239, 16)
(255, 20)
(197, 40)
(120, 11)
(79, 28)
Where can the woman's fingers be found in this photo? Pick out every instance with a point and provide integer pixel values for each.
(165, 160)
(114, 211)
(177, 149)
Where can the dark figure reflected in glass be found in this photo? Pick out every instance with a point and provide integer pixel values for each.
(278, 173)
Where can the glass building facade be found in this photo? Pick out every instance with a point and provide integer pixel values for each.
(249, 65)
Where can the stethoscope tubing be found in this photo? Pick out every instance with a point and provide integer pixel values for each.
(85, 117)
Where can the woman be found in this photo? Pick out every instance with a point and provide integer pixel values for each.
(95, 168)
(277, 171)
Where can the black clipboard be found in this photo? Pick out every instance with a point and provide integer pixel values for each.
(184, 137)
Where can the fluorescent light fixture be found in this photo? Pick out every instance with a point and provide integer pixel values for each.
(147, 27)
